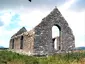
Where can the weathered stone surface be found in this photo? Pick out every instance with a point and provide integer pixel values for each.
(43, 33)
(28, 42)
(23, 29)
(39, 41)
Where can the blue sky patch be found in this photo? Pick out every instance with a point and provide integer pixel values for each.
(78, 6)
(15, 18)
(14, 22)
(1, 23)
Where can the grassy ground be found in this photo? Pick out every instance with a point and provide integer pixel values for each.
(8, 57)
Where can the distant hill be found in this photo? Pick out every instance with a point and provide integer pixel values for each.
(80, 48)
(2, 47)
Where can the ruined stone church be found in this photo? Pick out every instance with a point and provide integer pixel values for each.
(39, 41)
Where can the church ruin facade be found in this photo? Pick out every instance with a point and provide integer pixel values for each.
(39, 41)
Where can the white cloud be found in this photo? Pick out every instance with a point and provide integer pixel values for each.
(6, 17)
(5, 36)
(32, 18)
(76, 21)
(67, 4)
(3, 43)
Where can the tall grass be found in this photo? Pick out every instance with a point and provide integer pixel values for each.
(8, 57)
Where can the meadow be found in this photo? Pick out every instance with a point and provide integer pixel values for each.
(8, 57)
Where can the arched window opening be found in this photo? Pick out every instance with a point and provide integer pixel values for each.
(12, 43)
(55, 31)
(55, 36)
(21, 42)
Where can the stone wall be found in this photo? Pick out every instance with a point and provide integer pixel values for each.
(43, 34)
(28, 43)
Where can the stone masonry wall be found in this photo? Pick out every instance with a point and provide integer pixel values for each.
(43, 34)
(28, 43)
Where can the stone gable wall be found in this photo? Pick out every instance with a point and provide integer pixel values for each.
(43, 34)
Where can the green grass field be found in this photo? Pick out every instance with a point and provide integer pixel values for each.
(8, 57)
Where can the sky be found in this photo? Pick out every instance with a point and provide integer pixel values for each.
(14, 14)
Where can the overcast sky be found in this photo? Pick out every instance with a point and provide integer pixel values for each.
(14, 14)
